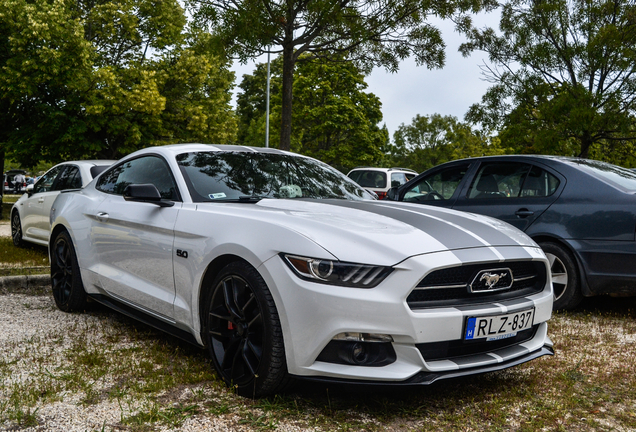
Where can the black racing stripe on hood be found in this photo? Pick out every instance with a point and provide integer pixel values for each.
(425, 220)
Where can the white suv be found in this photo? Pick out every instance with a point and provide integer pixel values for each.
(380, 180)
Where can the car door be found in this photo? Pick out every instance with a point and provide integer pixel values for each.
(515, 192)
(35, 223)
(133, 241)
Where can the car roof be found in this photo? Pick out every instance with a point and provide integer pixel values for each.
(175, 149)
(383, 169)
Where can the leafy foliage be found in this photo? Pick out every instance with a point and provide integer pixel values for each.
(372, 33)
(563, 75)
(336, 120)
(431, 140)
(84, 79)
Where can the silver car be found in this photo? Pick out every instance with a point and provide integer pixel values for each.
(30, 214)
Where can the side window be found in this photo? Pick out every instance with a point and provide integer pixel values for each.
(45, 183)
(67, 179)
(440, 185)
(398, 179)
(539, 183)
(143, 170)
(512, 180)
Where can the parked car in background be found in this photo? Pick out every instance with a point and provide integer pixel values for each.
(283, 267)
(380, 180)
(9, 185)
(581, 212)
(30, 214)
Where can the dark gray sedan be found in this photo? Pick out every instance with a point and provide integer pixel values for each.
(581, 212)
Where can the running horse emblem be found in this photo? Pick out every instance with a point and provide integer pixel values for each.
(491, 279)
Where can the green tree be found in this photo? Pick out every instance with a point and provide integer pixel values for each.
(45, 68)
(103, 78)
(431, 140)
(372, 33)
(336, 120)
(564, 75)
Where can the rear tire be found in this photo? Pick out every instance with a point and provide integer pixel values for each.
(66, 281)
(16, 229)
(243, 334)
(566, 283)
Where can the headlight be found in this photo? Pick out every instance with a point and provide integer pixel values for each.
(337, 272)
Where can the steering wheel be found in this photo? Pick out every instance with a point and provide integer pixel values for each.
(436, 195)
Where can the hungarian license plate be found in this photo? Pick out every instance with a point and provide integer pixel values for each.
(496, 327)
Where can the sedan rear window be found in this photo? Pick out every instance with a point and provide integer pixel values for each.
(369, 178)
(619, 176)
(236, 176)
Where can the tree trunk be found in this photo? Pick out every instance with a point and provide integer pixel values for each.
(586, 143)
(288, 83)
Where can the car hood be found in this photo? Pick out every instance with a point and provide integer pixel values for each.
(377, 232)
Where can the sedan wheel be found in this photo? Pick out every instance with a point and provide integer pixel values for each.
(565, 277)
(243, 332)
(68, 290)
(16, 229)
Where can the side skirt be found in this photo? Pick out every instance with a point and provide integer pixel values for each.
(144, 318)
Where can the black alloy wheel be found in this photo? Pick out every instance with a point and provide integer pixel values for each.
(68, 290)
(16, 229)
(565, 276)
(243, 332)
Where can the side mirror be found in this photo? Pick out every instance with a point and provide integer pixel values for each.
(392, 194)
(29, 190)
(145, 193)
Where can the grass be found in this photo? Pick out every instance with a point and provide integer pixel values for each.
(30, 257)
(154, 381)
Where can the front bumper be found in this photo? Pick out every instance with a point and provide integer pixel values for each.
(312, 314)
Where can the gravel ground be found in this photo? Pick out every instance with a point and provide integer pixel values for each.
(5, 229)
(33, 323)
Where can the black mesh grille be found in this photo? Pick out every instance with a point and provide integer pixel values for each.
(529, 276)
(458, 348)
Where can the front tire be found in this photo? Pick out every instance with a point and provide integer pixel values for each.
(565, 276)
(66, 281)
(243, 333)
(16, 229)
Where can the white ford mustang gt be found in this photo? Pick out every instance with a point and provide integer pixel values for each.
(283, 268)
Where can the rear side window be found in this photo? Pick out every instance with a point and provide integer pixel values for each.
(143, 170)
(369, 178)
(512, 180)
(70, 178)
(398, 179)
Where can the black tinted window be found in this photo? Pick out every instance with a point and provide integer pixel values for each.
(369, 178)
(70, 178)
(143, 170)
(222, 176)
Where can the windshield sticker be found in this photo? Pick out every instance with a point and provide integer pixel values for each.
(217, 195)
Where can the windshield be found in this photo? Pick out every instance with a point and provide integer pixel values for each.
(241, 176)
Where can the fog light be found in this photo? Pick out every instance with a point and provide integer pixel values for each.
(359, 354)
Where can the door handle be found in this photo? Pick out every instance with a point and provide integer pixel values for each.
(102, 217)
(523, 213)
(40, 200)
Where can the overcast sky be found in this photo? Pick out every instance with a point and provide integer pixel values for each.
(418, 90)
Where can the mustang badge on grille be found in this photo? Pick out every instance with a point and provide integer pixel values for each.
(491, 280)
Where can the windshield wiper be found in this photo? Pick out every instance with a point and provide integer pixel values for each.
(250, 198)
